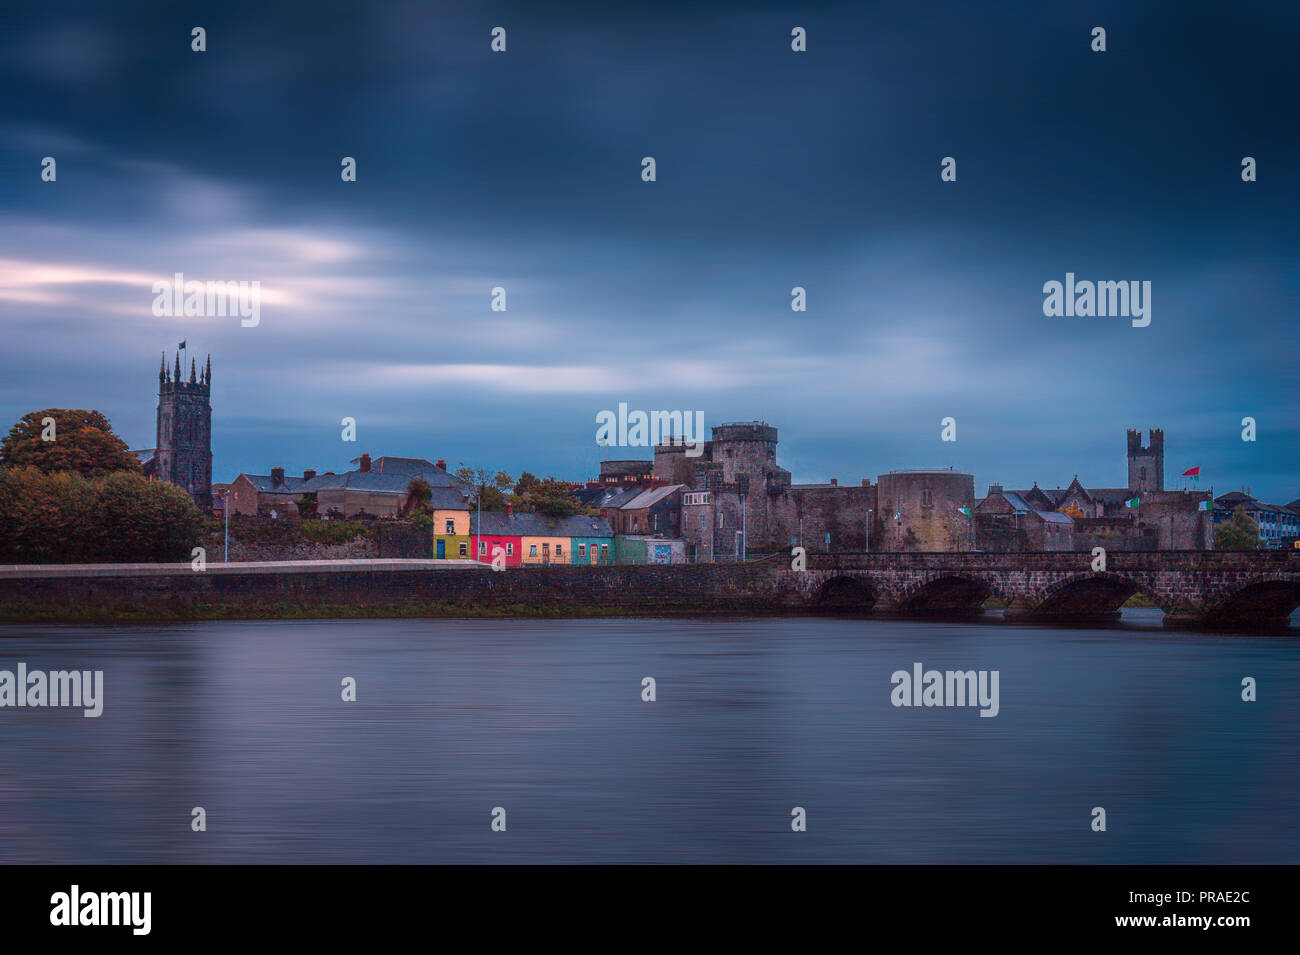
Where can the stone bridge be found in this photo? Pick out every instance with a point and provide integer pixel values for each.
(1193, 588)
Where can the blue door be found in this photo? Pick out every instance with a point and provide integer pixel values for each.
(442, 548)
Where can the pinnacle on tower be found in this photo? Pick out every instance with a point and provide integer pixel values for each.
(162, 369)
(177, 376)
(193, 372)
(207, 374)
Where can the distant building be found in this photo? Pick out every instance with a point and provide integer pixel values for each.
(1007, 523)
(657, 512)
(1279, 525)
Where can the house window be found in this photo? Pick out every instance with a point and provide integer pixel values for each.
(451, 525)
(510, 550)
(582, 551)
(927, 497)
(604, 550)
(546, 549)
(532, 550)
(482, 547)
(464, 549)
(559, 550)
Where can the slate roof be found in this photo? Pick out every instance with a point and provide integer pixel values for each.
(391, 481)
(499, 524)
(651, 497)
(264, 484)
(581, 525)
(617, 498)
(1018, 503)
(1055, 517)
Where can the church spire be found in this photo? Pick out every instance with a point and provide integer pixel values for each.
(193, 372)
(177, 376)
(162, 368)
(207, 374)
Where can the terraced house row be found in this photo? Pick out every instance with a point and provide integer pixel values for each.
(379, 488)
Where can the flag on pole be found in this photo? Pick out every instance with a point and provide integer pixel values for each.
(1192, 472)
(181, 345)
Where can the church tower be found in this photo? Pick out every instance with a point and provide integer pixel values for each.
(184, 448)
(1146, 466)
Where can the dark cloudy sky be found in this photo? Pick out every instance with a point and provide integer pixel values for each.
(775, 169)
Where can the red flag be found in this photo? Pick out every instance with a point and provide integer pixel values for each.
(1192, 472)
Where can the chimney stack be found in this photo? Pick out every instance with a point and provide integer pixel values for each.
(995, 489)
(308, 475)
(835, 482)
(442, 465)
(277, 475)
(510, 509)
(365, 462)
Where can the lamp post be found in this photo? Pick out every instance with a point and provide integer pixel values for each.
(225, 506)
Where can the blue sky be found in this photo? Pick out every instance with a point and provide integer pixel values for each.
(775, 170)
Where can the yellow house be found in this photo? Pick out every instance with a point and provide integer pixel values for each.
(539, 541)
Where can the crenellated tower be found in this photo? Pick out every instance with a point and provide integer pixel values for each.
(1146, 465)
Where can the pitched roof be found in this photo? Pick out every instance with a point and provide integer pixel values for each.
(581, 525)
(266, 485)
(391, 481)
(1055, 517)
(651, 497)
(447, 499)
(500, 524)
(617, 498)
(1017, 502)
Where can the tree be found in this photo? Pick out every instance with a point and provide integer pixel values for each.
(121, 517)
(138, 520)
(1238, 532)
(59, 439)
(492, 487)
(550, 497)
(418, 498)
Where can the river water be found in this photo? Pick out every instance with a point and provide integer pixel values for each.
(752, 717)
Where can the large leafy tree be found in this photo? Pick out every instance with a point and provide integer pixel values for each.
(493, 487)
(67, 439)
(119, 518)
(1238, 532)
(550, 496)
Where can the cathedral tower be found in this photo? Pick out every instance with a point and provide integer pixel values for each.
(184, 447)
(1146, 466)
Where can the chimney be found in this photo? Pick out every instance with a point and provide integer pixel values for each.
(308, 475)
(995, 489)
(277, 475)
(365, 462)
(442, 465)
(510, 509)
(835, 482)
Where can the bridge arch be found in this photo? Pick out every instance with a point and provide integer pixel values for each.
(1260, 603)
(1088, 595)
(946, 593)
(845, 592)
